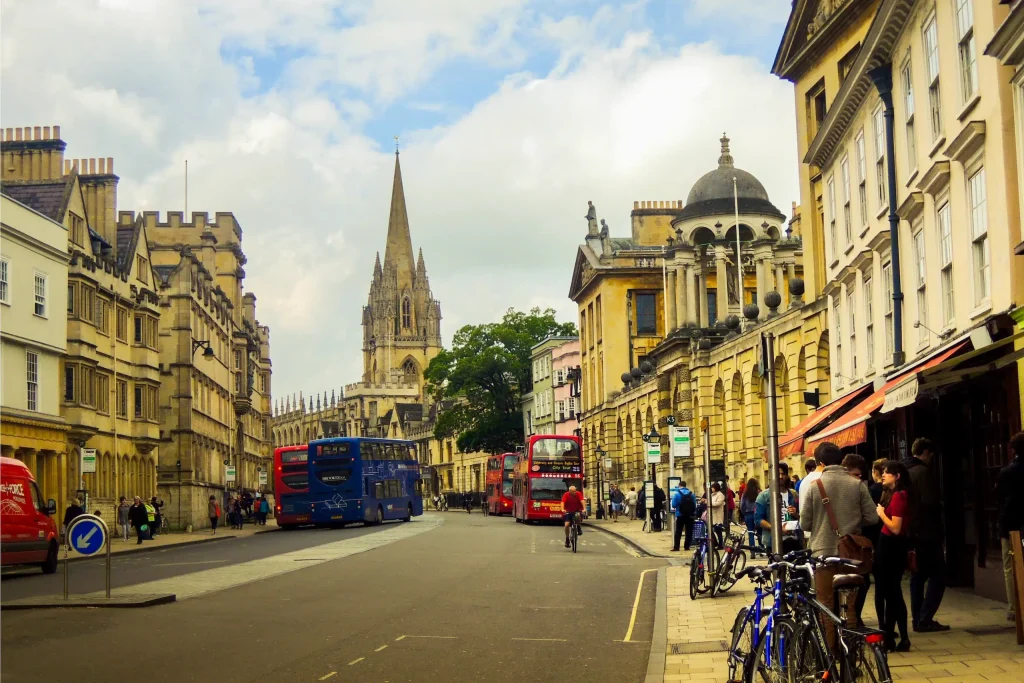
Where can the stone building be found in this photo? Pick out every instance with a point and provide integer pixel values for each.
(33, 336)
(215, 360)
(110, 375)
(913, 231)
(401, 335)
(660, 334)
(550, 408)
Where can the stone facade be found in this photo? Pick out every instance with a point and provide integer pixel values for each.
(658, 342)
(550, 408)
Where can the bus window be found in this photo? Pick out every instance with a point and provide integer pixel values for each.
(366, 485)
(389, 451)
(412, 452)
(419, 487)
(378, 490)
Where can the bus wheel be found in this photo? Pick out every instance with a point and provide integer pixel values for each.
(50, 566)
(408, 517)
(380, 515)
(287, 527)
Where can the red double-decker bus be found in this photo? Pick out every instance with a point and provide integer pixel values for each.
(291, 486)
(499, 483)
(551, 464)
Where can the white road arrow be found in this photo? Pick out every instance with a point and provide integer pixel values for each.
(82, 542)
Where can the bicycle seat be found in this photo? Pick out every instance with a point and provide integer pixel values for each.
(847, 581)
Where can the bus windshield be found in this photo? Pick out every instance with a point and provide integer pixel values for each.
(554, 449)
(294, 456)
(542, 488)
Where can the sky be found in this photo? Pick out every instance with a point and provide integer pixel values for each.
(511, 115)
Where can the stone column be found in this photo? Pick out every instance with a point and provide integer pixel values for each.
(670, 302)
(780, 285)
(722, 286)
(28, 456)
(791, 270)
(692, 287)
(761, 291)
(682, 315)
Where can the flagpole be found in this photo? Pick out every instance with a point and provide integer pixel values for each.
(739, 252)
(664, 289)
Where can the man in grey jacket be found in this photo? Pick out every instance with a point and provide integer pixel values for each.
(853, 508)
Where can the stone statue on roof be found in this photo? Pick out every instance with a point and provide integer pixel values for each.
(591, 218)
(604, 230)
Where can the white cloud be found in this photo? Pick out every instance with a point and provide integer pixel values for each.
(496, 198)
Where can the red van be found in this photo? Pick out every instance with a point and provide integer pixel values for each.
(28, 534)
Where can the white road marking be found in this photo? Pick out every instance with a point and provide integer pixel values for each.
(380, 648)
(356, 661)
(632, 551)
(438, 637)
(399, 638)
(636, 604)
(324, 678)
(221, 578)
(186, 564)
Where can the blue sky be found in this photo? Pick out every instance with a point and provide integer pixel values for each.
(512, 115)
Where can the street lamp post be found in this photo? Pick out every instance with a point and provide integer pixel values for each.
(600, 453)
(654, 437)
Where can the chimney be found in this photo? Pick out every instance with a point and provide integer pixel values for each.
(32, 153)
(99, 189)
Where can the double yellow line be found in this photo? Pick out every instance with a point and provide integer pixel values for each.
(636, 604)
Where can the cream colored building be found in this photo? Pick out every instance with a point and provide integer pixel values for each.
(33, 337)
(948, 179)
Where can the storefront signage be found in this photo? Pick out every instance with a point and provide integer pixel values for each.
(901, 395)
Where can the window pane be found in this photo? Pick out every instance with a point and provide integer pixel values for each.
(646, 314)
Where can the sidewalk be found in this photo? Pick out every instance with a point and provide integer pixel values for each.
(980, 647)
(118, 546)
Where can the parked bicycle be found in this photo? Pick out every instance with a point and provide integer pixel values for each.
(733, 562)
(704, 563)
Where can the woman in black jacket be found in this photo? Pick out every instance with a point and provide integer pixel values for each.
(139, 518)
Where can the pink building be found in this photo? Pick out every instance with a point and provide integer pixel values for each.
(565, 358)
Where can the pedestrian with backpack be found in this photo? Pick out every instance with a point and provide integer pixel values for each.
(684, 506)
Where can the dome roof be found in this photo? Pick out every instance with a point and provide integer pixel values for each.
(713, 192)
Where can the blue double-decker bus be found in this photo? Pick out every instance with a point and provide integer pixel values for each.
(354, 479)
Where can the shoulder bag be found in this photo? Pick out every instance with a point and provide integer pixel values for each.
(851, 546)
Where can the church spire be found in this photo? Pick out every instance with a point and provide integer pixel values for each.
(398, 252)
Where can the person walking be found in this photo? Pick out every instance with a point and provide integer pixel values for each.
(139, 517)
(123, 521)
(748, 507)
(716, 510)
(856, 467)
(150, 518)
(891, 561)
(658, 513)
(631, 502)
(264, 510)
(928, 583)
(683, 505)
(617, 499)
(213, 511)
(158, 518)
(834, 505)
(1010, 500)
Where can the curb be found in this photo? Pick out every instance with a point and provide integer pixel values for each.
(154, 548)
(635, 544)
(122, 601)
(659, 637)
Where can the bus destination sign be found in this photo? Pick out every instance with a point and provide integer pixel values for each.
(565, 468)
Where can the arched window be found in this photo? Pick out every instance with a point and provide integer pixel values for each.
(409, 368)
(406, 313)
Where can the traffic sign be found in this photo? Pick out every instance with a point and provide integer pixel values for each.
(87, 534)
(229, 473)
(263, 478)
(88, 461)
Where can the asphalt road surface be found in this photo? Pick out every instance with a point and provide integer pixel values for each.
(472, 599)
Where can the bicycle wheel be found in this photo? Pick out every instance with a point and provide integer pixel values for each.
(737, 561)
(573, 537)
(719, 583)
(807, 661)
(706, 577)
(869, 661)
(740, 649)
(696, 573)
(771, 661)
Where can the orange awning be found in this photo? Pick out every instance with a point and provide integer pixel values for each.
(851, 429)
(792, 442)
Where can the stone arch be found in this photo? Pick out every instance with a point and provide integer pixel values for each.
(638, 445)
(718, 419)
(798, 385)
(756, 408)
(410, 369)
(736, 419)
(701, 235)
(822, 369)
(773, 233)
(307, 434)
(746, 233)
(406, 311)
(782, 394)
(109, 484)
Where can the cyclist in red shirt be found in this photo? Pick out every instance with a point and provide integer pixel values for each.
(572, 505)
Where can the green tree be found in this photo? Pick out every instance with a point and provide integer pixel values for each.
(481, 380)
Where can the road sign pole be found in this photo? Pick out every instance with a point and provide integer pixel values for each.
(768, 365)
(705, 424)
(108, 567)
(66, 541)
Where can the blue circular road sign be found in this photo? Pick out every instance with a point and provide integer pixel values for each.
(87, 534)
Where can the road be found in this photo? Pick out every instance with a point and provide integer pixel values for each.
(458, 598)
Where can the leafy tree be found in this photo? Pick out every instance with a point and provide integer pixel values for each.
(481, 380)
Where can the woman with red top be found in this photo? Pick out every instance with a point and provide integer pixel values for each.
(891, 559)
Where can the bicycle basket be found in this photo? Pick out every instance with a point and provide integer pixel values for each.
(700, 530)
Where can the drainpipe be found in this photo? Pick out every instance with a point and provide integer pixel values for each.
(881, 76)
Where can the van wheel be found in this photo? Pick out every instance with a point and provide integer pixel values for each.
(50, 566)
(380, 516)
(408, 517)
